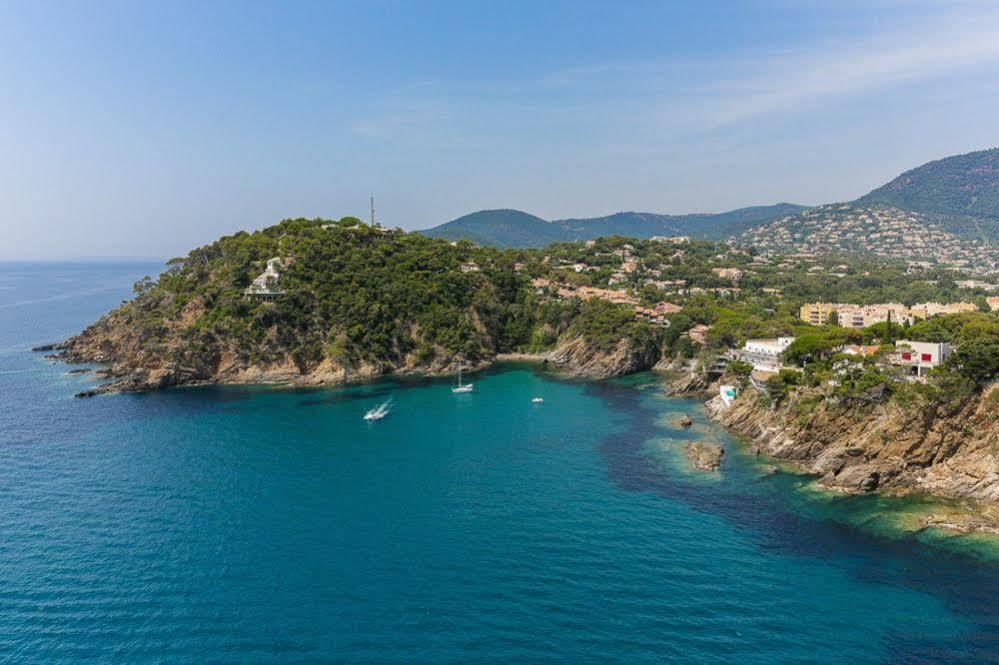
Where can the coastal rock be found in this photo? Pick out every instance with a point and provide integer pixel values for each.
(704, 455)
(684, 421)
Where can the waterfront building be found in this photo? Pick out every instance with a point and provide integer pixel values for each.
(763, 354)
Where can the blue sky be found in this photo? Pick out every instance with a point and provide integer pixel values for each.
(134, 129)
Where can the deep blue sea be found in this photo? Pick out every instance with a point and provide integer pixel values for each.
(257, 525)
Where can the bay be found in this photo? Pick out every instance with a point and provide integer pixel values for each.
(248, 524)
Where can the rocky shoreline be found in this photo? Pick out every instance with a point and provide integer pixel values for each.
(128, 367)
(882, 449)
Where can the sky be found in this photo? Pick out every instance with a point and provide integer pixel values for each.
(146, 129)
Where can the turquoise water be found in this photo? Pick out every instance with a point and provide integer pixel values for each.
(254, 525)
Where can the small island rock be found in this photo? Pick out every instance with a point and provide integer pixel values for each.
(704, 455)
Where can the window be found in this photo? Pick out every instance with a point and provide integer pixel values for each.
(906, 355)
(926, 358)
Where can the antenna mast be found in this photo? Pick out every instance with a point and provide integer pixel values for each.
(372, 210)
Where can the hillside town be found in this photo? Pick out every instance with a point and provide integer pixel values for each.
(878, 230)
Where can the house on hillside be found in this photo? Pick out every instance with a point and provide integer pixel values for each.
(920, 357)
(265, 285)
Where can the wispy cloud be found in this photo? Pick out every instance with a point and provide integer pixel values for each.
(937, 47)
(645, 107)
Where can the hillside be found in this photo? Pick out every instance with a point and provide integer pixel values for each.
(879, 230)
(513, 228)
(963, 191)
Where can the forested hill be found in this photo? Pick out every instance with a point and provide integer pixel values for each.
(513, 228)
(959, 185)
(961, 193)
(500, 228)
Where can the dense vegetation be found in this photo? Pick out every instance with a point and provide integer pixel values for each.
(352, 293)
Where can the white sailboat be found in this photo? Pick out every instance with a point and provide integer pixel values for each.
(462, 388)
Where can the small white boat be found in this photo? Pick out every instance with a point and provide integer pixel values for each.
(378, 412)
(462, 388)
(538, 400)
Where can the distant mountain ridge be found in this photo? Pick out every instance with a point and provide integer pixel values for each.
(958, 195)
(514, 228)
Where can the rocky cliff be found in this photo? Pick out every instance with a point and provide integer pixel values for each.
(948, 451)
(131, 365)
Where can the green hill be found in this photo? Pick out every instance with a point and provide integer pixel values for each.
(500, 228)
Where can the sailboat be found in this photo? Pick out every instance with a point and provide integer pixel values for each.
(462, 388)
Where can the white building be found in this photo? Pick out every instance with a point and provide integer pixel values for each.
(920, 357)
(763, 354)
(266, 283)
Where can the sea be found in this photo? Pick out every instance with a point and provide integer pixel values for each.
(265, 525)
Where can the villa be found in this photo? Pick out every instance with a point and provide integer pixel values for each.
(920, 357)
(266, 283)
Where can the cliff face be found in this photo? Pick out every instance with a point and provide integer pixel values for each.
(580, 358)
(929, 448)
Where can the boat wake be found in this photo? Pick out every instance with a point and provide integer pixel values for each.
(379, 411)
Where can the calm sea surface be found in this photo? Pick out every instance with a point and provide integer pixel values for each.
(253, 525)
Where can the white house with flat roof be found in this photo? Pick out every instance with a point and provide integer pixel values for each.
(920, 357)
(763, 354)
